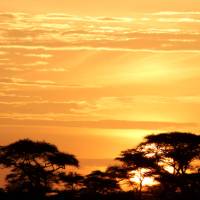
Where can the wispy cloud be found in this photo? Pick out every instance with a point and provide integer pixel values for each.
(117, 67)
(38, 55)
(55, 69)
(18, 81)
(5, 81)
(103, 124)
(176, 13)
(62, 31)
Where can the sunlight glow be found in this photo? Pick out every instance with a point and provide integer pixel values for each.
(139, 177)
(147, 181)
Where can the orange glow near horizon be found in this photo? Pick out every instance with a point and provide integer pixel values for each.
(148, 181)
(139, 177)
(96, 77)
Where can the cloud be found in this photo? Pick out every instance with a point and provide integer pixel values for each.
(102, 124)
(115, 19)
(23, 82)
(179, 20)
(6, 17)
(132, 102)
(55, 69)
(38, 55)
(37, 63)
(176, 13)
(52, 109)
(12, 81)
(14, 69)
(164, 49)
(70, 32)
(39, 107)
(56, 58)
(2, 94)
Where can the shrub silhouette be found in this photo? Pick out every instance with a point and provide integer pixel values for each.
(72, 181)
(100, 182)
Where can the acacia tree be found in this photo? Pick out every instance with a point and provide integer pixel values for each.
(136, 164)
(168, 157)
(34, 166)
(175, 155)
(176, 150)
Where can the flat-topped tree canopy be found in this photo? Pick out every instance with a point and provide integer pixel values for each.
(35, 165)
(177, 149)
(36, 153)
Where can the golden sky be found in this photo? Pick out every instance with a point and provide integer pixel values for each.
(93, 76)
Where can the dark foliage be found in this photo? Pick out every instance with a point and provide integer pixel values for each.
(34, 167)
(172, 159)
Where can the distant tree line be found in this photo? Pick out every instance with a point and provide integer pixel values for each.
(38, 170)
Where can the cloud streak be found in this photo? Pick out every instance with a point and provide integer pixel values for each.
(102, 124)
(49, 63)
(62, 31)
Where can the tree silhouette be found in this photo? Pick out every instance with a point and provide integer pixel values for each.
(136, 164)
(118, 172)
(175, 149)
(173, 159)
(72, 181)
(175, 154)
(34, 166)
(167, 157)
(100, 182)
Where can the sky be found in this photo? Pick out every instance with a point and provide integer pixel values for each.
(94, 77)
